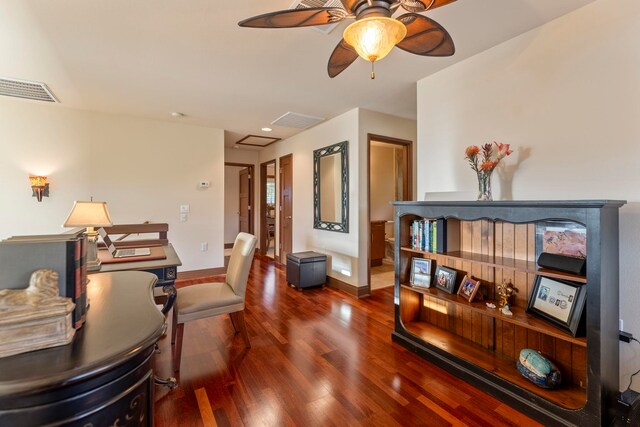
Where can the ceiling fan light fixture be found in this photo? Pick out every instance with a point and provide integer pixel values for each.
(373, 38)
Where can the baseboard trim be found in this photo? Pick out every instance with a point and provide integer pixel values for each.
(355, 291)
(228, 245)
(196, 274)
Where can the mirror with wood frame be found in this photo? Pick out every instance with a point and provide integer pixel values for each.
(330, 188)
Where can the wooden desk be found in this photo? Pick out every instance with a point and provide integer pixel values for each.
(104, 375)
(166, 270)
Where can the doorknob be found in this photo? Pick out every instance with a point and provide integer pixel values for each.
(289, 217)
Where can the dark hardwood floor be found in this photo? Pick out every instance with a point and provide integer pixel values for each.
(318, 358)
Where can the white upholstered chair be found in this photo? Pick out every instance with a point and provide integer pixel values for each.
(212, 299)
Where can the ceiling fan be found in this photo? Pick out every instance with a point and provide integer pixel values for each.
(373, 34)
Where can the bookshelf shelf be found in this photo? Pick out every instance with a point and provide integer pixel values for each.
(501, 262)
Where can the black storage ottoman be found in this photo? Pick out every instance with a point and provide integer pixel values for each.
(306, 269)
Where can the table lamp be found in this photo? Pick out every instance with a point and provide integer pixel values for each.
(90, 215)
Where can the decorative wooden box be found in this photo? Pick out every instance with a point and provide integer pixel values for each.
(35, 317)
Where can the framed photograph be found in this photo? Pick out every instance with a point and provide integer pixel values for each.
(561, 238)
(421, 272)
(560, 302)
(469, 288)
(445, 279)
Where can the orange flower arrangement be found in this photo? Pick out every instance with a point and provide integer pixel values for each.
(483, 161)
(488, 163)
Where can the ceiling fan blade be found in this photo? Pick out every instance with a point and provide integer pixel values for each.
(343, 56)
(417, 6)
(296, 18)
(425, 36)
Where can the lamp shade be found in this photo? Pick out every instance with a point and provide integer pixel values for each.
(89, 214)
(373, 38)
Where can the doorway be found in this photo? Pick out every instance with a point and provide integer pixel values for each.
(285, 235)
(268, 196)
(238, 202)
(390, 171)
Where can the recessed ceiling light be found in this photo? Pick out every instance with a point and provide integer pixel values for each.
(177, 114)
(267, 129)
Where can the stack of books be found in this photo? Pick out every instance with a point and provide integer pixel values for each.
(435, 235)
(64, 253)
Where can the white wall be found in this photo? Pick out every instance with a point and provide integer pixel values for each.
(347, 251)
(144, 169)
(342, 248)
(375, 123)
(567, 96)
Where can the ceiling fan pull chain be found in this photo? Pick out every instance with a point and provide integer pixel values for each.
(373, 73)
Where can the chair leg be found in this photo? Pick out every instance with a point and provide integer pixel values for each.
(233, 322)
(242, 326)
(174, 325)
(177, 351)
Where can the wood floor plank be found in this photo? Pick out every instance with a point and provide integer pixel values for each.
(318, 358)
(208, 420)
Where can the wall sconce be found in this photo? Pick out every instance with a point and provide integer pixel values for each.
(40, 187)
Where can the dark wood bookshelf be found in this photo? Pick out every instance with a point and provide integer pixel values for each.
(495, 242)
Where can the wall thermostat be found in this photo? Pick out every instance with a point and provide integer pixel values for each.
(204, 184)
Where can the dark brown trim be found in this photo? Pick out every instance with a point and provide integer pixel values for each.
(195, 274)
(354, 291)
(280, 212)
(263, 206)
(273, 140)
(407, 187)
(228, 245)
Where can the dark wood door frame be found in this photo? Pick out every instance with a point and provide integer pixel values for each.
(283, 218)
(263, 206)
(251, 191)
(407, 183)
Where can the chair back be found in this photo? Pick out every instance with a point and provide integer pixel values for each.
(240, 262)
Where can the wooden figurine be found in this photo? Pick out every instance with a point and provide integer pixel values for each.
(505, 290)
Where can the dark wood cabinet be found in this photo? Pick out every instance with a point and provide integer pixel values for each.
(377, 242)
(496, 242)
(104, 376)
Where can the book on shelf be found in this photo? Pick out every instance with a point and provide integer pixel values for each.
(435, 235)
(64, 253)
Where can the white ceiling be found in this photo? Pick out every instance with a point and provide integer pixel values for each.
(148, 58)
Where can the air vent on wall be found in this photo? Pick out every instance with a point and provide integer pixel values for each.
(25, 89)
(303, 4)
(296, 120)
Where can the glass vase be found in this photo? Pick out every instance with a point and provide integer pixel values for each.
(484, 186)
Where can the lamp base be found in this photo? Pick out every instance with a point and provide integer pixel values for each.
(93, 262)
(94, 265)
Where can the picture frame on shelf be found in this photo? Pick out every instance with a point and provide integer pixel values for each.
(421, 272)
(565, 238)
(469, 288)
(560, 302)
(445, 279)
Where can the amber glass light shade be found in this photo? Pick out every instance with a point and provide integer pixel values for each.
(38, 181)
(373, 38)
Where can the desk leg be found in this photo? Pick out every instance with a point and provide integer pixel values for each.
(171, 292)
